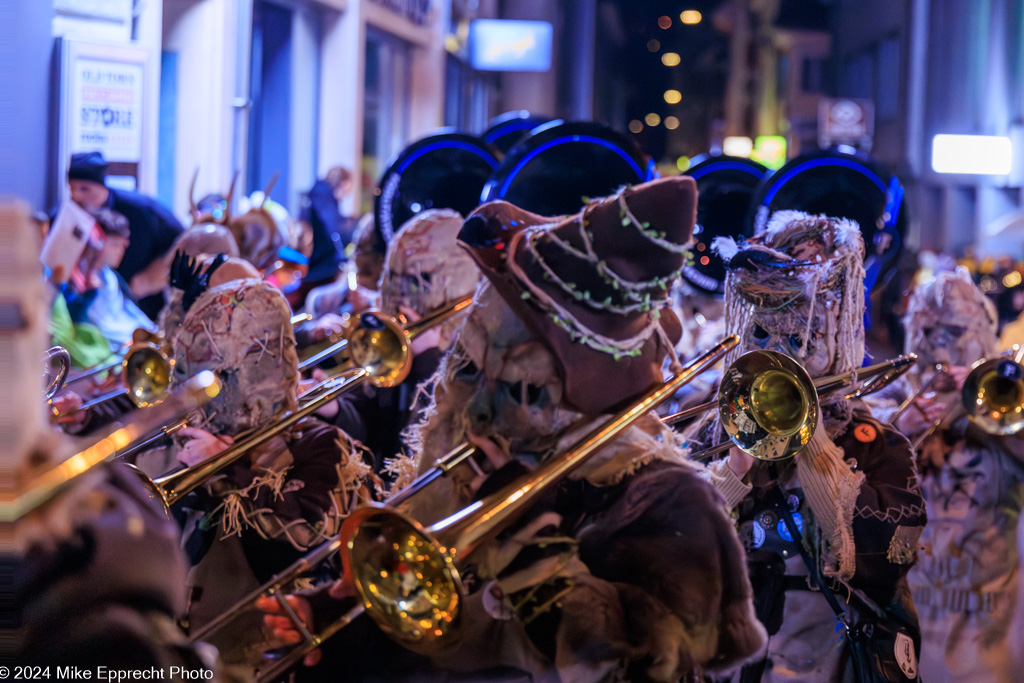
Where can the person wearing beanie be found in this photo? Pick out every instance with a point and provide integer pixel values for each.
(107, 301)
(632, 569)
(796, 288)
(967, 570)
(153, 227)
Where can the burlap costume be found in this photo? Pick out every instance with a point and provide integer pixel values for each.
(966, 577)
(261, 513)
(425, 270)
(796, 288)
(631, 570)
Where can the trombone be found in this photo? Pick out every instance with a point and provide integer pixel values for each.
(56, 382)
(378, 318)
(769, 405)
(382, 355)
(407, 576)
(992, 396)
(367, 331)
(196, 392)
(145, 369)
(274, 587)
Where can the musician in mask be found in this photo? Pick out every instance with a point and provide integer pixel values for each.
(630, 570)
(282, 498)
(967, 569)
(852, 492)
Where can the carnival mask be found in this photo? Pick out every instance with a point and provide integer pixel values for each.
(507, 380)
(241, 331)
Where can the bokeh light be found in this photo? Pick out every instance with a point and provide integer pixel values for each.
(671, 122)
(653, 45)
(670, 59)
(635, 126)
(652, 119)
(664, 22)
(690, 17)
(673, 96)
(683, 163)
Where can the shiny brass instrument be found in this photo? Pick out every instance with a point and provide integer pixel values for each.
(381, 353)
(55, 382)
(360, 327)
(196, 392)
(407, 576)
(941, 371)
(145, 370)
(768, 404)
(992, 397)
(993, 393)
(312, 559)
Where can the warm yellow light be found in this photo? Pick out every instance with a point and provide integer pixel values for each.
(690, 16)
(635, 126)
(683, 163)
(652, 119)
(670, 59)
(671, 122)
(653, 45)
(664, 22)
(673, 96)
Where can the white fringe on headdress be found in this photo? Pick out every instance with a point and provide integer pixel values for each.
(830, 485)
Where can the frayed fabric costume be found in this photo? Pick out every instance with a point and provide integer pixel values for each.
(797, 288)
(966, 578)
(260, 514)
(631, 570)
(425, 270)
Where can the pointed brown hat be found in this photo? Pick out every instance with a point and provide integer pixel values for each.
(594, 286)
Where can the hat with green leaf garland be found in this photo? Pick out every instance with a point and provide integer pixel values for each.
(594, 286)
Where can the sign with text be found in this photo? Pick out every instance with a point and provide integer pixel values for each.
(106, 108)
(845, 122)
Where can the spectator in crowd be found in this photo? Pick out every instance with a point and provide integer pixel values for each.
(152, 226)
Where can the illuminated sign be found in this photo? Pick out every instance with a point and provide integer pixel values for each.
(974, 154)
(505, 45)
(737, 146)
(770, 151)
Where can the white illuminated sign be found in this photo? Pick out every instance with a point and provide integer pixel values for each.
(974, 154)
(737, 146)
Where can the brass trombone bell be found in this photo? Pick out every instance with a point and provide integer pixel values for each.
(993, 394)
(768, 405)
(55, 381)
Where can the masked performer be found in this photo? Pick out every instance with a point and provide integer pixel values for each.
(966, 574)
(632, 570)
(425, 271)
(262, 512)
(796, 288)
